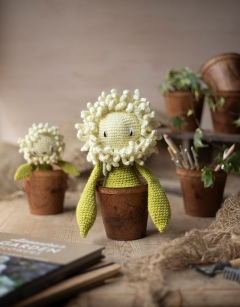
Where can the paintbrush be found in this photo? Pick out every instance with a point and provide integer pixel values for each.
(171, 144)
(175, 150)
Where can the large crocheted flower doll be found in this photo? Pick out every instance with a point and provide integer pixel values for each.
(120, 134)
(43, 147)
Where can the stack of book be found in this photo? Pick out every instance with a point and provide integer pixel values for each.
(38, 272)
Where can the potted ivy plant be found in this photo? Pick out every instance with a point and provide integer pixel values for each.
(203, 185)
(45, 173)
(184, 92)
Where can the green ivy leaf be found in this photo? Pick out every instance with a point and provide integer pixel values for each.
(183, 79)
(234, 161)
(227, 167)
(237, 122)
(215, 102)
(197, 139)
(68, 168)
(219, 159)
(207, 177)
(177, 122)
(190, 112)
(211, 104)
(220, 102)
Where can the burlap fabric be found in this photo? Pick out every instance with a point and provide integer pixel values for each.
(10, 160)
(219, 242)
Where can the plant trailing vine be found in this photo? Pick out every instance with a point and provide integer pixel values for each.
(232, 163)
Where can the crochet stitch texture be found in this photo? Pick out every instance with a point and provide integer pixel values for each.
(42, 144)
(43, 147)
(118, 128)
(120, 134)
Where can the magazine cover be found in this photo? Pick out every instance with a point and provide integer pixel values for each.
(28, 264)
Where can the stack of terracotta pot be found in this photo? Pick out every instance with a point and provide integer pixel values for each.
(222, 74)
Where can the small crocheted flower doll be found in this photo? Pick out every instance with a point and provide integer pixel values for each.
(120, 133)
(42, 148)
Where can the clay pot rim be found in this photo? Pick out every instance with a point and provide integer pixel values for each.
(218, 58)
(228, 93)
(178, 93)
(48, 173)
(125, 190)
(183, 94)
(197, 172)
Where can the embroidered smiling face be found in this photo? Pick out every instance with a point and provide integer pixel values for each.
(118, 129)
(43, 144)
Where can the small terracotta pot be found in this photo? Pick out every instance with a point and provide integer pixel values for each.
(222, 72)
(223, 117)
(124, 211)
(45, 191)
(178, 103)
(200, 201)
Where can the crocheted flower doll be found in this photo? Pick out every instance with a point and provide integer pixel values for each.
(120, 134)
(42, 148)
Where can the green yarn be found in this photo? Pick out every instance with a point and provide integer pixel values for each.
(68, 168)
(121, 177)
(26, 169)
(23, 171)
(87, 209)
(158, 205)
(44, 167)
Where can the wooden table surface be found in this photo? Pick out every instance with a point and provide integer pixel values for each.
(186, 287)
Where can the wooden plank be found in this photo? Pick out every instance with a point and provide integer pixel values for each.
(207, 136)
(185, 285)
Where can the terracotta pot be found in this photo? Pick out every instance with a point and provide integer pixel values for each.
(124, 211)
(222, 72)
(45, 191)
(178, 104)
(200, 201)
(223, 117)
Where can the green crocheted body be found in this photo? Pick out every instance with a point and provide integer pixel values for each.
(121, 177)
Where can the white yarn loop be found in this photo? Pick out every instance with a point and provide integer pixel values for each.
(138, 150)
(42, 144)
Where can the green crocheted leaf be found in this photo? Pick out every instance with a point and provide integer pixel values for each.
(23, 171)
(177, 122)
(87, 207)
(68, 168)
(158, 205)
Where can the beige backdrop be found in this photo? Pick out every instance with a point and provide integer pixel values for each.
(56, 55)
